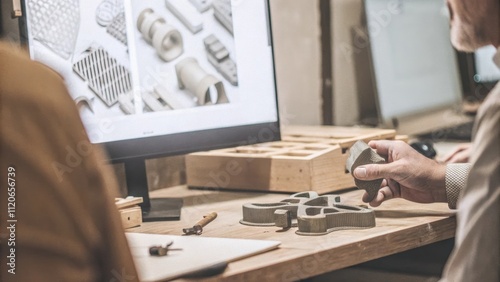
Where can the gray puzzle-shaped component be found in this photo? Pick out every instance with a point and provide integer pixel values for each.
(263, 214)
(362, 154)
(317, 220)
(312, 214)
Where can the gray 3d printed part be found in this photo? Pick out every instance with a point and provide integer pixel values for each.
(312, 214)
(223, 13)
(323, 220)
(283, 218)
(118, 28)
(126, 102)
(104, 75)
(263, 214)
(201, 5)
(55, 23)
(186, 13)
(207, 88)
(166, 39)
(218, 56)
(362, 154)
(107, 10)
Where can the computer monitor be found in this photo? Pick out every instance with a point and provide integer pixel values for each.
(155, 78)
(479, 73)
(415, 70)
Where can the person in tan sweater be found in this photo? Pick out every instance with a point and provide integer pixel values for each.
(473, 188)
(58, 218)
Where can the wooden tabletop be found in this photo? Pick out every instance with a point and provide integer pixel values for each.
(400, 225)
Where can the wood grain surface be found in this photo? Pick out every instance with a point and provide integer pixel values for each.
(400, 226)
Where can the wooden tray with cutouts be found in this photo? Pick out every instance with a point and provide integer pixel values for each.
(309, 158)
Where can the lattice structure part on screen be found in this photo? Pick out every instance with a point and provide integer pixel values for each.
(55, 24)
(118, 28)
(104, 75)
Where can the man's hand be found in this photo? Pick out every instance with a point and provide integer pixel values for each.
(407, 174)
(460, 154)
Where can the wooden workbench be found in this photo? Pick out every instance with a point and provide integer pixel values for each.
(400, 226)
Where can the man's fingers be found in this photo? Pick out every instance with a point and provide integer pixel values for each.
(384, 194)
(383, 147)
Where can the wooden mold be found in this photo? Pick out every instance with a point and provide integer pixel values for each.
(309, 158)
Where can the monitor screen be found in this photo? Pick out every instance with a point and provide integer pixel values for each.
(414, 64)
(486, 70)
(479, 75)
(161, 77)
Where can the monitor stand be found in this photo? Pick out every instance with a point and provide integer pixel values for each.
(157, 209)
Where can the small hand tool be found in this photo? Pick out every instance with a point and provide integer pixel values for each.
(198, 227)
(159, 251)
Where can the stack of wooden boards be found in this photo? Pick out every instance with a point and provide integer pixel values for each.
(130, 211)
(309, 158)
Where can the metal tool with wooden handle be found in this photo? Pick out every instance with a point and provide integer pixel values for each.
(198, 227)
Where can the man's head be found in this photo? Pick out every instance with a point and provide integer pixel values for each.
(474, 23)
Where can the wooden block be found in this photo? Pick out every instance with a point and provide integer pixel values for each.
(127, 202)
(310, 158)
(130, 212)
(131, 217)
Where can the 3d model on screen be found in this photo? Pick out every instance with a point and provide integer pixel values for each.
(186, 13)
(168, 97)
(55, 23)
(83, 101)
(155, 102)
(160, 99)
(206, 87)
(223, 13)
(104, 75)
(312, 214)
(107, 11)
(218, 56)
(201, 5)
(111, 15)
(166, 39)
(118, 28)
(362, 154)
(126, 102)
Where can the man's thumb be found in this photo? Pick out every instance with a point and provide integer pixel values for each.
(373, 171)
